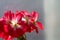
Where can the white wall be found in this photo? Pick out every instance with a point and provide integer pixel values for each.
(49, 18)
(52, 19)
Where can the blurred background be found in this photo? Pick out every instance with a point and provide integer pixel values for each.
(49, 15)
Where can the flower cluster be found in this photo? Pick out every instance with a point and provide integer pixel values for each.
(16, 24)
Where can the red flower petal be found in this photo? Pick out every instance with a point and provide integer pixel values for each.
(40, 25)
(6, 28)
(9, 15)
(18, 16)
(2, 22)
(8, 37)
(34, 15)
(24, 13)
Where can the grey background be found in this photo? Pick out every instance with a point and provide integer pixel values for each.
(29, 5)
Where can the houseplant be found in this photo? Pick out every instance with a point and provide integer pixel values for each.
(15, 25)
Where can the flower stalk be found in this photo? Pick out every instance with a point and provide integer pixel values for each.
(23, 37)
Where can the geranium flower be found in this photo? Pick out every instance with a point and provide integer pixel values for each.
(15, 25)
(31, 20)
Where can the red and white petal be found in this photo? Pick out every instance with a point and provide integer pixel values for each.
(8, 37)
(34, 15)
(18, 16)
(24, 13)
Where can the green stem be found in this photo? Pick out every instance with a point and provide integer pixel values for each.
(22, 37)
